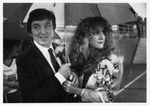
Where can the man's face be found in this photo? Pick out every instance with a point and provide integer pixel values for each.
(42, 32)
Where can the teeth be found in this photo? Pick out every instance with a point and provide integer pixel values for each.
(43, 37)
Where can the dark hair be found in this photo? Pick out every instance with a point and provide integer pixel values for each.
(40, 14)
(8, 46)
(87, 59)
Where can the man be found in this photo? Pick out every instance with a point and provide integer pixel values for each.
(38, 79)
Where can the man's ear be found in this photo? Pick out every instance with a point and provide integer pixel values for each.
(31, 35)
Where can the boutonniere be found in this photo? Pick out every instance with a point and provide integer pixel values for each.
(59, 50)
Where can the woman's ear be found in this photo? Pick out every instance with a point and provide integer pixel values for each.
(86, 41)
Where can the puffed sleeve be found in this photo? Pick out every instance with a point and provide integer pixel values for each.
(92, 93)
(94, 96)
(118, 64)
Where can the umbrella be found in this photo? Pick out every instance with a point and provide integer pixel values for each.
(115, 13)
(70, 14)
(73, 13)
(67, 14)
(15, 30)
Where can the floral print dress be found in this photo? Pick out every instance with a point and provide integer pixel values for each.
(99, 84)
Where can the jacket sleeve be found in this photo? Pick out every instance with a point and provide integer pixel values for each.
(35, 85)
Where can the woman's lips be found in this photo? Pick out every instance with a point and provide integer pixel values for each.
(100, 42)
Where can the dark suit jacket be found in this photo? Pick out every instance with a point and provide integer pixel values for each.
(36, 78)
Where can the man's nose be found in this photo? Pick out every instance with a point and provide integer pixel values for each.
(43, 31)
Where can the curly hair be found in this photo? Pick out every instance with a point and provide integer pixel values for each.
(84, 57)
(8, 46)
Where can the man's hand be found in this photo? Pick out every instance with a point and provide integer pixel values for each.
(65, 70)
(74, 79)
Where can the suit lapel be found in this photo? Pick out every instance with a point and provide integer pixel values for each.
(41, 61)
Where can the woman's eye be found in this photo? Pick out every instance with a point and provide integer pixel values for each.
(103, 32)
(95, 33)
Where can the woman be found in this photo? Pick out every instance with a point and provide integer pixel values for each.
(100, 71)
(11, 90)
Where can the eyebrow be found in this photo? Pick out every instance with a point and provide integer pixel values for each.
(39, 24)
(35, 24)
(48, 22)
(94, 30)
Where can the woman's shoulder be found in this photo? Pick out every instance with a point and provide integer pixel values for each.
(113, 57)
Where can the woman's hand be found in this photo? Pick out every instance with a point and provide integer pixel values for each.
(6, 89)
(11, 84)
(70, 88)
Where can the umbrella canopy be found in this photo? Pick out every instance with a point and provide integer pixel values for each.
(117, 13)
(15, 30)
(73, 13)
(67, 14)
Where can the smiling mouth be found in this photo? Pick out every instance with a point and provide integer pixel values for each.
(45, 37)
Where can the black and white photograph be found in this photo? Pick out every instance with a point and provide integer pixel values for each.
(74, 52)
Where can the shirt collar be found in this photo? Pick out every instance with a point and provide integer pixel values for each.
(43, 49)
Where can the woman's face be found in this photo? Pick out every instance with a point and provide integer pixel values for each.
(15, 51)
(97, 38)
(42, 32)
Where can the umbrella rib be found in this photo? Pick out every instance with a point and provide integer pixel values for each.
(27, 12)
(65, 31)
(110, 4)
(13, 19)
(99, 10)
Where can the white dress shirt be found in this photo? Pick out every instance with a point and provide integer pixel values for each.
(46, 54)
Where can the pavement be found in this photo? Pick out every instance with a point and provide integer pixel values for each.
(133, 87)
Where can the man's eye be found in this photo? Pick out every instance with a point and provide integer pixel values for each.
(48, 26)
(36, 27)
